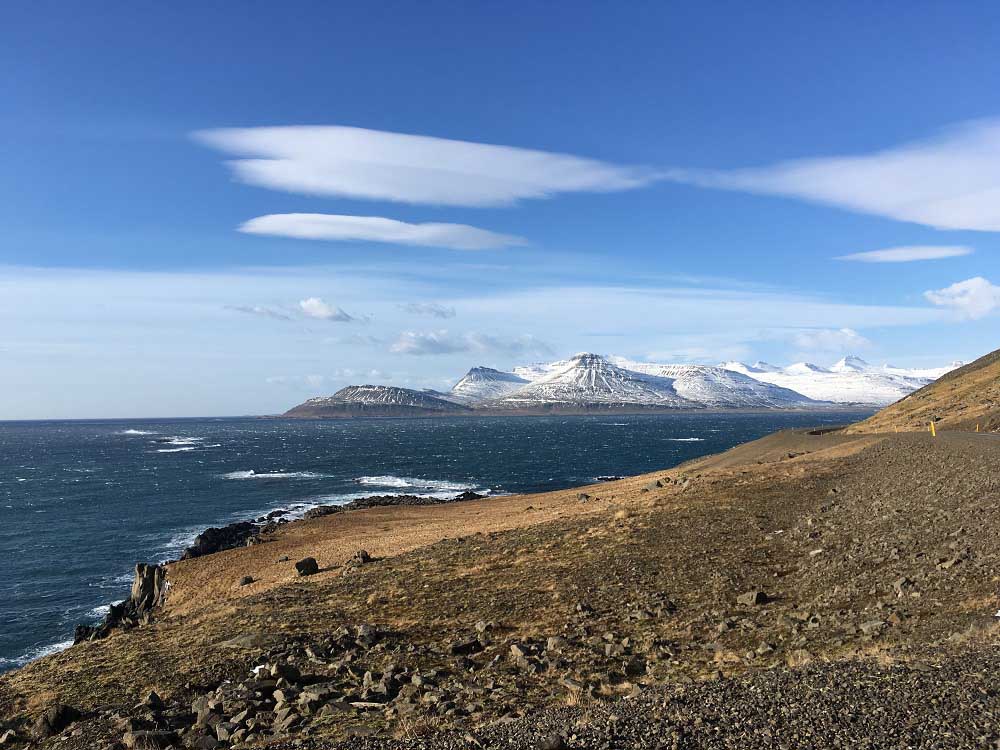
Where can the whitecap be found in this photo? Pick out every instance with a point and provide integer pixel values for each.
(685, 440)
(175, 450)
(34, 653)
(389, 480)
(137, 432)
(251, 474)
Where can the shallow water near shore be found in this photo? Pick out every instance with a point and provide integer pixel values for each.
(81, 502)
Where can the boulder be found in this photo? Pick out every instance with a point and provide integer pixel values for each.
(307, 566)
(55, 719)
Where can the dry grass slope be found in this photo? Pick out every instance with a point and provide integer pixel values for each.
(960, 400)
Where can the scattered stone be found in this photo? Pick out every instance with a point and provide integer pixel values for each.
(361, 557)
(872, 627)
(246, 580)
(553, 741)
(147, 739)
(752, 599)
(307, 566)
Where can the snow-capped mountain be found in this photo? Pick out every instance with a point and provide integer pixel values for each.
(377, 400)
(592, 382)
(849, 381)
(485, 384)
(588, 380)
(719, 387)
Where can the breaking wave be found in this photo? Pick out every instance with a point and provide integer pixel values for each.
(34, 653)
(413, 483)
(686, 440)
(251, 474)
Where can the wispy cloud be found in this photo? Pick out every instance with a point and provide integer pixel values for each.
(433, 309)
(444, 342)
(263, 310)
(379, 165)
(379, 229)
(830, 340)
(909, 253)
(314, 307)
(971, 299)
(949, 182)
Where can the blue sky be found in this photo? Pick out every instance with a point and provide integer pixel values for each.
(493, 185)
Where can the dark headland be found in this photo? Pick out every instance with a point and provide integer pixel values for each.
(827, 589)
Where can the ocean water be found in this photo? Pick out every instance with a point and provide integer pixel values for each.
(81, 502)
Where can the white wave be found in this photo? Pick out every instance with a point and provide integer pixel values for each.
(99, 612)
(137, 432)
(175, 450)
(388, 480)
(179, 440)
(251, 474)
(34, 653)
(686, 440)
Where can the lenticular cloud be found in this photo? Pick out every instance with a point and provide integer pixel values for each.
(949, 182)
(379, 229)
(379, 165)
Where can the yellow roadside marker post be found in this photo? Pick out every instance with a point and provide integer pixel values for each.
(933, 430)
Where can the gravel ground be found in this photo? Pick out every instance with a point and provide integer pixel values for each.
(948, 702)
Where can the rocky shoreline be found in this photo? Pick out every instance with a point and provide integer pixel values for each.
(149, 585)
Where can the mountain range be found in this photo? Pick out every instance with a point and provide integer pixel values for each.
(590, 382)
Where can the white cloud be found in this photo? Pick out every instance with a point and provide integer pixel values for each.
(444, 342)
(949, 182)
(314, 307)
(433, 309)
(378, 165)
(972, 299)
(830, 340)
(379, 229)
(909, 253)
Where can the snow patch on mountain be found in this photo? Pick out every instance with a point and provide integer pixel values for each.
(484, 384)
(849, 381)
(591, 380)
(719, 387)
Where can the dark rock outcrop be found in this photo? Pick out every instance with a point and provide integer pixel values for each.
(216, 539)
(149, 587)
(383, 501)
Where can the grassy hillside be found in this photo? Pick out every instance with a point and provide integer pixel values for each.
(960, 400)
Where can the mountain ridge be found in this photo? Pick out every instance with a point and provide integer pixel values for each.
(592, 382)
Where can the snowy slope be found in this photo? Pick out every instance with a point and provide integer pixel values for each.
(377, 400)
(849, 381)
(485, 383)
(591, 380)
(719, 387)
